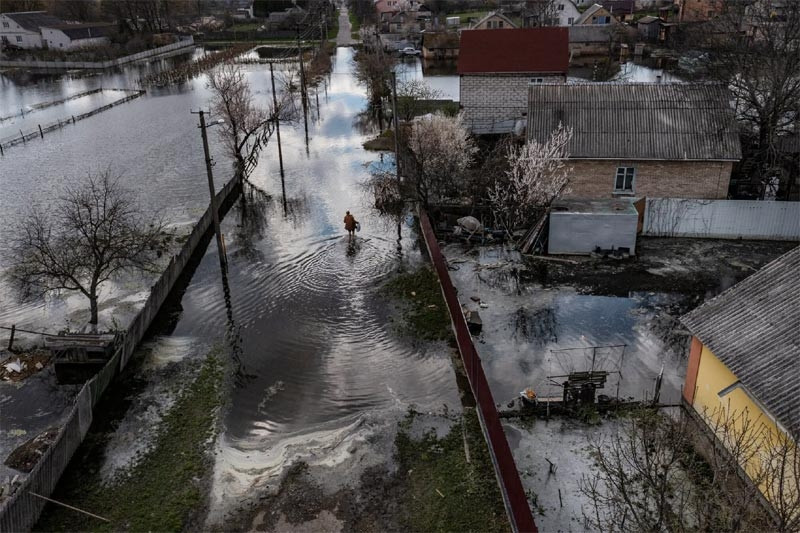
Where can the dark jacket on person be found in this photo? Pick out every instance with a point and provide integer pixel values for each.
(349, 222)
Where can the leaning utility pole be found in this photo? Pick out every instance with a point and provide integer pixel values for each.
(214, 211)
(396, 126)
(278, 133)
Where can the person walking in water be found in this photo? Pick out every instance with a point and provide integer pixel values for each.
(350, 224)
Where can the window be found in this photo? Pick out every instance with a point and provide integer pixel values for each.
(5, 24)
(623, 182)
(19, 39)
(537, 80)
(571, 21)
(499, 23)
(561, 7)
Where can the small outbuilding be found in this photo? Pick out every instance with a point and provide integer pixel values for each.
(581, 227)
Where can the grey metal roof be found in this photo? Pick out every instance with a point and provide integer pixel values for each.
(90, 30)
(33, 20)
(656, 121)
(754, 329)
(593, 33)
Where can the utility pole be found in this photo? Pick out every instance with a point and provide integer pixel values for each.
(396, 127)
(214, 211)
(303, 85)
(278, 133)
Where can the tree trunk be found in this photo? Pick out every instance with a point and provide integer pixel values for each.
(93, 306)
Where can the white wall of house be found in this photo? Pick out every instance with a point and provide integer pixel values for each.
(566, 11)
(499, 97)
(14, 34)
(58, 40)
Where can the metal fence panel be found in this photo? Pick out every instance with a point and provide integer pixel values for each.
(514, 497)
(722, 219)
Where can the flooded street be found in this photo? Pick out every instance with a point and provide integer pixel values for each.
(320, 375)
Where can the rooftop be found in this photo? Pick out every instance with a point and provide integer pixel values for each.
(536, 50)
(637, 121)
(587, 15)
(88, 30)
(754, 329)
(33, 20)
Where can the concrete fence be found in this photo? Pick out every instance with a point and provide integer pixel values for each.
(722, 219)
(22, 509)
(183, 43)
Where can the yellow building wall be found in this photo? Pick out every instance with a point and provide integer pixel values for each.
(712, 377)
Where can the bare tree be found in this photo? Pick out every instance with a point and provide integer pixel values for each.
(413, 98)
(440, 151)
(754, 48)
(373, 69)
(246, 127)
(650, 478)
(536, 176)
(94, 232)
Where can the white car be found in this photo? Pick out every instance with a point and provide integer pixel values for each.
(409, 51)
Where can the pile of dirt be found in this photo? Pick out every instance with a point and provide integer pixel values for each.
(23, 365)
(25, 457)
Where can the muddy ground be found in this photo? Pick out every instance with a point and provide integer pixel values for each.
(700, 268)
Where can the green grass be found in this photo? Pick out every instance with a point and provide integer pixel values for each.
(245, 26)
(442, 491)
(425, 313)
(162, 490)
(466, 15)
(355, 24)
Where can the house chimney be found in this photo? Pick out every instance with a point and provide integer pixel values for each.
(658, 78)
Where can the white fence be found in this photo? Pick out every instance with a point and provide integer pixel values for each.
(722, 219)
(183, 43)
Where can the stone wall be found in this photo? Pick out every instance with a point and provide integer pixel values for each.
(593, 178)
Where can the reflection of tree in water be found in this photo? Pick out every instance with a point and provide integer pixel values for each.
(252, 212)
(503, 277)
(297, 210)
(537, 326)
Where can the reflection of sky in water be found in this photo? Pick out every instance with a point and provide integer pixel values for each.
(526, 331)
(409, 69)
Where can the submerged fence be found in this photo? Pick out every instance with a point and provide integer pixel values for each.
(23, 137)
(516, 502)
(22, 509)
(722, 219)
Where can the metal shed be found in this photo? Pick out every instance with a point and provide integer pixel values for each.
(580, 227)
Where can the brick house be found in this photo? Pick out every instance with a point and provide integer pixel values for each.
(496, 67)
(699, 10)
(641, 139)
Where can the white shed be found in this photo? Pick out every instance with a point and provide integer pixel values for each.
(579, 227)
(74, 36)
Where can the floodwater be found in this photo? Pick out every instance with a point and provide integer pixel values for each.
(441, 76)
(319, 372)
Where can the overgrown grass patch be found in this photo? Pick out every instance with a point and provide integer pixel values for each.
(162, 490)
(425, 314)
(443, 491)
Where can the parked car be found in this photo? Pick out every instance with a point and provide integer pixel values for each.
(409, 51)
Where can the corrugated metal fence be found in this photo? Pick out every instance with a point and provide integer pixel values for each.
(516, 502)
(21, 510)
(722, 219)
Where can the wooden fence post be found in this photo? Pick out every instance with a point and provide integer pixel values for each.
(11, 340)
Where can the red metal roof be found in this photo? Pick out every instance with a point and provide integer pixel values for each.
(516, 50)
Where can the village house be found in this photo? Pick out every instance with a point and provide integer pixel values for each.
(744, 360)
(549, 13)
(440, 45)
(596, 15)
(496, 67)
(622, 10)
(494, 21)
(641, 139)
(23, 29)
(75, 36)
(699, 10)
